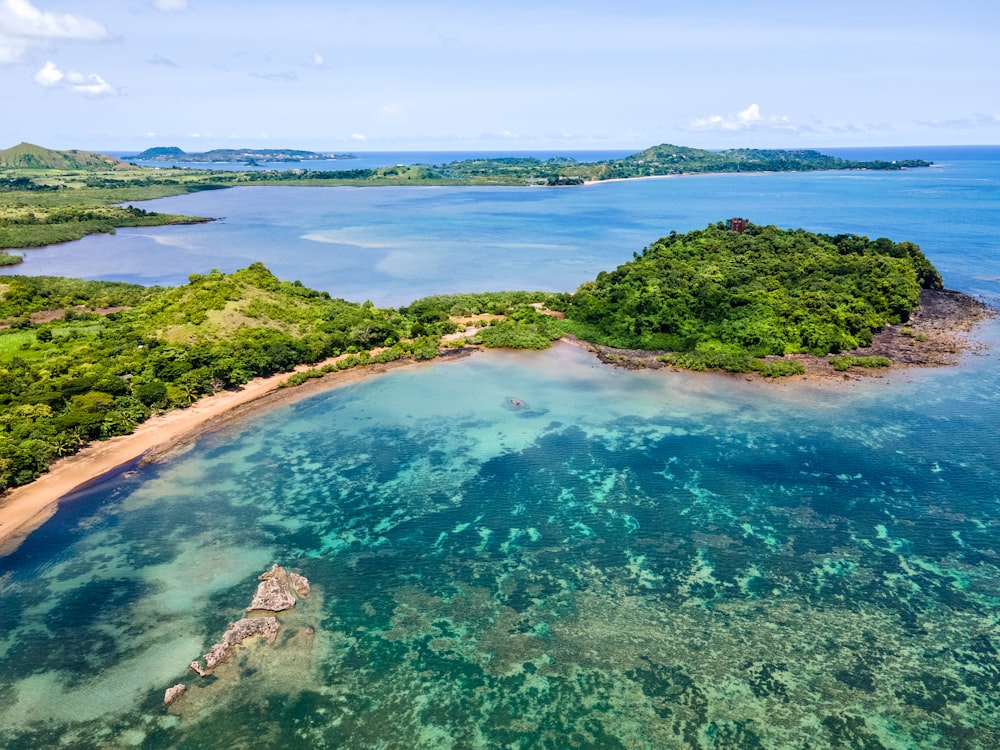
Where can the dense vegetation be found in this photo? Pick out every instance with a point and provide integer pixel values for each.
(717, 298)
(521, 325)
(174, 154)
(37, 226)
(88, 369)
(84, 360)
(669, 159)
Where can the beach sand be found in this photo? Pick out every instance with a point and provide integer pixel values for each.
(24, 509)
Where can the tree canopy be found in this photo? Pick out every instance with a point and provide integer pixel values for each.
(761, 292)
(85, 360)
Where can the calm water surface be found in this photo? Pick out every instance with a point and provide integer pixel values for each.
(392, 245)
(533, 550)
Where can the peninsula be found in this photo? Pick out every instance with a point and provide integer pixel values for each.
(95, 374)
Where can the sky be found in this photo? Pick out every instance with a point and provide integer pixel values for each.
(385, 75)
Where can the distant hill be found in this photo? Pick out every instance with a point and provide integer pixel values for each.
(30, 156)
(229, 155)
(670, 159)
(657, 161)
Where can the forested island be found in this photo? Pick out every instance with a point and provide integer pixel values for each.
(88, 360)
(234, 155)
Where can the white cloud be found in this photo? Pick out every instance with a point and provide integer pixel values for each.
(23, 27)
(48, 76)
(318, 60)
(171, 6)
(748, 119)
(88, 85)
(358, 137)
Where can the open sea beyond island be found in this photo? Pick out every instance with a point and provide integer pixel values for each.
(534, 550)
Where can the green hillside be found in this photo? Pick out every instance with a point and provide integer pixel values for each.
(716, 293)
(30, 156)
(86, 360)
(667, 159)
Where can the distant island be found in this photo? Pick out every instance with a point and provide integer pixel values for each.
(49, 196)
(234, 155)
(658, 161)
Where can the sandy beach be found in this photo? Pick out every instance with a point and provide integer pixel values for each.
(24, 509)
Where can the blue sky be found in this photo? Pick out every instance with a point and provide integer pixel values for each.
(386, 75)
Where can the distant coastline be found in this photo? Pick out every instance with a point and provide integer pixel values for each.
(230, 155)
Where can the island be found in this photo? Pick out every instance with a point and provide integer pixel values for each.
(234, 155)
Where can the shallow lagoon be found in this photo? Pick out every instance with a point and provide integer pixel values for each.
(619, 559)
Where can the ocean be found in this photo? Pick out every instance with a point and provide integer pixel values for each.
(534, 550)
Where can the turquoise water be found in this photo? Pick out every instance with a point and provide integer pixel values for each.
(535, 550)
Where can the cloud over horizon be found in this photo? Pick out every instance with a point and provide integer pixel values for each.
(962, 123)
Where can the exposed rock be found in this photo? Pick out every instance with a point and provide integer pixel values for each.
(274, 592)
(275, 571)
(248, 627)
(174, 693)
(216, 655)
(272, 596)
(300, 585)
(934, 336)
(195, 666)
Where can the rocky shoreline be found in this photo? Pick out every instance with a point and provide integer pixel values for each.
(936, 334)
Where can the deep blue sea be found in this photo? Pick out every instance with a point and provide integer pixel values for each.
(534, 550)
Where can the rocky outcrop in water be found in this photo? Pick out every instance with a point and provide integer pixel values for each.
(300, 585)
(276, 592)
(239, 631)
(174, 693)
